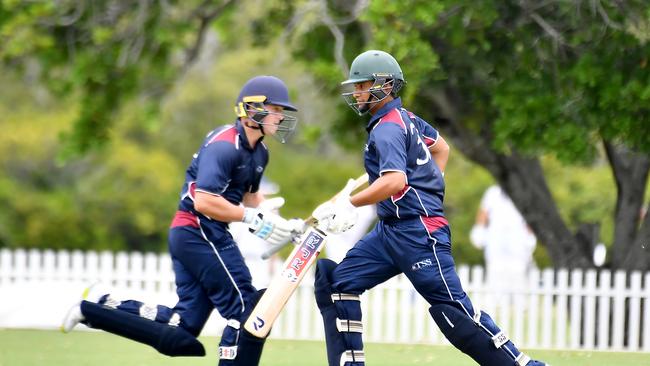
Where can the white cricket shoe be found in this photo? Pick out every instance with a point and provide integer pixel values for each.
(74, 316)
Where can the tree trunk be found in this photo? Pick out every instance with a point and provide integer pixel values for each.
(642, 245)
(522, 178)
(631, 174)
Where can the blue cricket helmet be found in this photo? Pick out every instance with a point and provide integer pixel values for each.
(273, 90)
(265, 90)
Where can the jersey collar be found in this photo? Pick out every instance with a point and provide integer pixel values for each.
(395, 103)
(242, 136)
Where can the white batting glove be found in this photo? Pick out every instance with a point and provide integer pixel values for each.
(271, 204)
(297, 226)
(297, 229)
(268, 226)
(338, 216)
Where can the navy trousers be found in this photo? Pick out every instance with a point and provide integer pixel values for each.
(210, 273)
(402, 246)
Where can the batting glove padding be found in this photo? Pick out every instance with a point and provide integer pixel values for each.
(297, 229)
(268, 226)
(340, 215)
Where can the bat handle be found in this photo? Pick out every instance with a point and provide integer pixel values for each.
(266, 255)
(311, 221)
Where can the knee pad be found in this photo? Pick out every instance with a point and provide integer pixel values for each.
(167, 339)
(341, 319)
(477, 336)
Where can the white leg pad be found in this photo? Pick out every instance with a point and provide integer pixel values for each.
(149, 311)
(227, 353)
(233, 323)
(500, 339)
(477, 315)
(522, 359)
(345, 325)
(352, 356)
(345, 297)
(174, 320)
(112, 303)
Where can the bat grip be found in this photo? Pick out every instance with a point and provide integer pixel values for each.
(266, 255)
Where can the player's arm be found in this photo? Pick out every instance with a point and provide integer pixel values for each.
(440, 153)
(217, 161)
(481, 217)
(437, 145)
(253, 199)
(388, 184)
(478, 233)
(217, 207)
(390, 142)
(266, 225)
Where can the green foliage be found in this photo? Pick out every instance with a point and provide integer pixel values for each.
(555, 78)
(122, 198)
(583, 194)
(108, 75)
(101, 54)
(550, 79)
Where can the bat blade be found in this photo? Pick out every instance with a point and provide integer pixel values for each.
(283, 286)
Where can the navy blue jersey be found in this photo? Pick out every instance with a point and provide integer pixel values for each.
(225, 166)
(399, 141)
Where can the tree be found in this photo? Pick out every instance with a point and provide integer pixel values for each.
(508, 81)
(105, 52)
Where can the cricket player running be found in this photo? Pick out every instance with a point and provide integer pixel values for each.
(405, 160)
(209, 267)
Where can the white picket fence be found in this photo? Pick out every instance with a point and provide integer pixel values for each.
(559, 309)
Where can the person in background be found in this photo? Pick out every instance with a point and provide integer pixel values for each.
(339, 244)
(507, 242)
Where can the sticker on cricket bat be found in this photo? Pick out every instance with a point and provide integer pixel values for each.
(307, 249)
(259, 323)
(280, 289)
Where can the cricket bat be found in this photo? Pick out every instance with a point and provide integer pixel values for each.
(293, 270)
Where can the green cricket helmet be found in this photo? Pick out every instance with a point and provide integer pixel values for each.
(379, 67)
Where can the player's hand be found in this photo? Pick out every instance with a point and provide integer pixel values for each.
(298, 229)
(268, 226)
(271, 204)
(338, 216)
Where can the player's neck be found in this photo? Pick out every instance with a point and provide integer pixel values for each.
(377, 106)
(253, 135)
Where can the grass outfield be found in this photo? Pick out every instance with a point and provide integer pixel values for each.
(51, 348)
